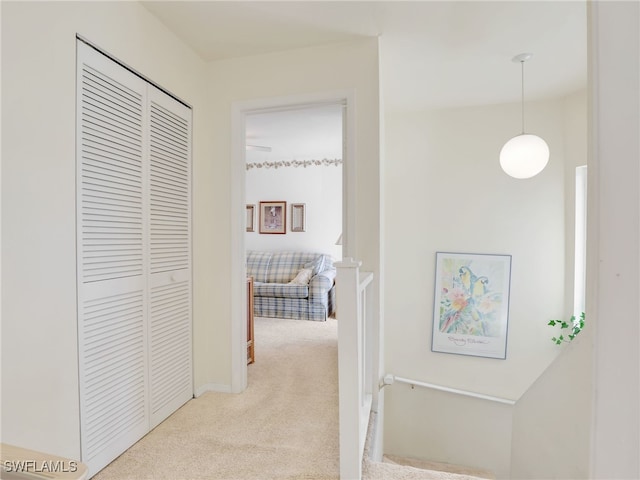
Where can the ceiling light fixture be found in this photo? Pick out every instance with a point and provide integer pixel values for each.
(525, 155)
(258, 148)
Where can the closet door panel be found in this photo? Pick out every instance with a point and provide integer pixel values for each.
(114, 385)
(112, 298)
(170, 180)
(169, 255)
(170, 344)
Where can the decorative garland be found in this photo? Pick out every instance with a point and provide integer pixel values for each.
(296, 163)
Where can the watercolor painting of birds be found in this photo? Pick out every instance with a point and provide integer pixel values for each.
(471, 304)
(468, 306)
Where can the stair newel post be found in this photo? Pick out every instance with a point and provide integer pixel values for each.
(349, 368)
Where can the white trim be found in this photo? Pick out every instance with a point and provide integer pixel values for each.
(212, 387)
(349, 218)
(365, 279)
(593, 212)
(124, 65)
(238, 263)
(239, 111)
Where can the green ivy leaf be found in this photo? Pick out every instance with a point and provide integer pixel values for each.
(576, 326)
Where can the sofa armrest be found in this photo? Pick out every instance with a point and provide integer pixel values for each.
(321, 284)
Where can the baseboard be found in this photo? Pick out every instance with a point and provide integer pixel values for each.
(212, 387)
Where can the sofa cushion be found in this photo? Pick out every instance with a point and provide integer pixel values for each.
(316, 265)
(303, 277)
(280, 290)
(258, 265)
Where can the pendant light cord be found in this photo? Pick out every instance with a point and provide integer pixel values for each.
(522, 69)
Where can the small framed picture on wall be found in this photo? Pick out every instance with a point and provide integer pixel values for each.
(297, 217)
(273, 217)
(250, 218)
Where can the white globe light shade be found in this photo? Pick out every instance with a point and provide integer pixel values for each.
(524, 156)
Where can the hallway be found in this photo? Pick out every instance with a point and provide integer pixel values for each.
(285, 425)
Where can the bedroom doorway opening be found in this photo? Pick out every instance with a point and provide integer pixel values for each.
(292, 154)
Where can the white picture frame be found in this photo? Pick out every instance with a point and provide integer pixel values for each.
(298, 220)
(250, 218)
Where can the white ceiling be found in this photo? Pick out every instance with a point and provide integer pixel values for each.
(433, 54)
(307, 133)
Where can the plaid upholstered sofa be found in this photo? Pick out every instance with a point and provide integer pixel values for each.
(281, 288)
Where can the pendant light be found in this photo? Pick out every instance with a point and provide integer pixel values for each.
(525, 155)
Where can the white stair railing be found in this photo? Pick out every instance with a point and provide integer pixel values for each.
(389, 379)
(356, 341)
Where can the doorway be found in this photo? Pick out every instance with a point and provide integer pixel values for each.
(263, 156)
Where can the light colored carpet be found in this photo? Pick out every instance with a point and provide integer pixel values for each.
(401, 468)
(390, 470)
(284, 426)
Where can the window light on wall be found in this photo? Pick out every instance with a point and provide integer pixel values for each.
(580, 250)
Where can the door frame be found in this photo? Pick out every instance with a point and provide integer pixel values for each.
(239, 112)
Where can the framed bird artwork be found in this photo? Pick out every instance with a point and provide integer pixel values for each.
(471, 304)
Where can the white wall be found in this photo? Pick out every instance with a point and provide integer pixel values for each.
(613, 242)
(558, 402)
(318, 187)
(551, 431)
(39, 325)
(438, 426)
(445, 191)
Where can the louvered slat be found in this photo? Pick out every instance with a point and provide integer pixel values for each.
(169, 190)
(111, 178)
(115, 370)
(112, 296)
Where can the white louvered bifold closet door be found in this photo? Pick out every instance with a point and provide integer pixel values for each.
(134, 257)
(170, 254)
